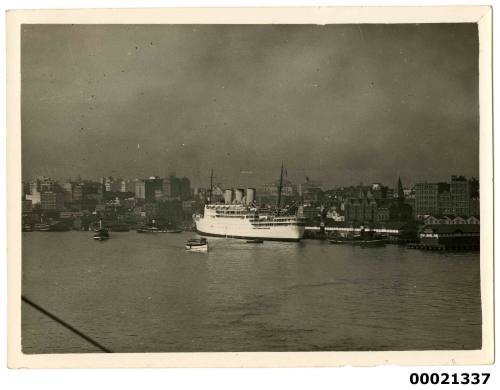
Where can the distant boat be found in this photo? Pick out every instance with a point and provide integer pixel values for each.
(174, 231)
(197, 245)
(364, 239)
(41, 227)
(256, 241)
(151, 229)
(363, 243)
(101, 233)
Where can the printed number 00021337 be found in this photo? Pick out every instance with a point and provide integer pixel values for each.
(449, 379)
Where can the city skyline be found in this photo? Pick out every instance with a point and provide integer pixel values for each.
(335, 102)
(219, 183)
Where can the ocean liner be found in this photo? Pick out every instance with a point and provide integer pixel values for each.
(238, 217)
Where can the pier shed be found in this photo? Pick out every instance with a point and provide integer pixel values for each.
(450, 237)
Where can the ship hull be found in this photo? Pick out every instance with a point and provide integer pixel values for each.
(243, 229)
(284, 239)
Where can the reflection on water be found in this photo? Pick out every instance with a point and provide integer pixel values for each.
(145, 293)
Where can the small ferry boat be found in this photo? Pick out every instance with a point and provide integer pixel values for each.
(41, 227)
(256, 241)
(364, 243)
(197, 245)
(364, 239)
(101, 234)
(151, 229)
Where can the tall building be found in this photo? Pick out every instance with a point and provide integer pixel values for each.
(127, 186)
(27, 206)
(34, 195)
(185, 188)
(378, 191)
(310, 188)
(52, 200)
(140, 190)
(152, 187)
(445, 204)
(91, 194)
(427, 198)
(174, 187)
(460, 195)
(367, 209)
(45, 184)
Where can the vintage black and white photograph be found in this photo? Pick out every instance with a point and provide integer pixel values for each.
(250, 187)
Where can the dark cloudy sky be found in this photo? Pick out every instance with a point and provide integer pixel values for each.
(339, 103)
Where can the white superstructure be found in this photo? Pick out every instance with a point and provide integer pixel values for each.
(244, 221)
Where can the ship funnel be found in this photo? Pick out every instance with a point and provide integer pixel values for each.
(228, 196)
(238, 195)
(250, 196)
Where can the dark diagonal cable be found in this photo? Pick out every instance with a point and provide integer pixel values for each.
(65, 324)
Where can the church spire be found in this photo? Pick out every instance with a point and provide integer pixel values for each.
(401, 193)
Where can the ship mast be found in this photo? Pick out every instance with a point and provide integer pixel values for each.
(211, 186)
(280, 187)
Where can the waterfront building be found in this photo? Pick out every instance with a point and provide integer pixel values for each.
(335, 215)
(310, 191)
(26, 188)
(34, 196)
(427, 197)
(27, 206)
(91, 194)
(149, 190)
(106, 182)
(458, 220)
(460, 198)
(111, 184)
(174, 187)
(474, 197)
(362, 209)
(77, 192)
(474, 207)
(449, 220)
(151, 210)
(308, 212)
(473, 220)
(127, 185)
(460, 195)
(51, 200)
(445, 203)
(383, 211)
(116, 185)
(45, 184)
(140, 190)
(378, 191)
(371, 204)
(458, 236)
(185, 192)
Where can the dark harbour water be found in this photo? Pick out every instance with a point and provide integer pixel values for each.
(144, 293)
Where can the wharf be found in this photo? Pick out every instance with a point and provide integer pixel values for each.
(443, 248)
